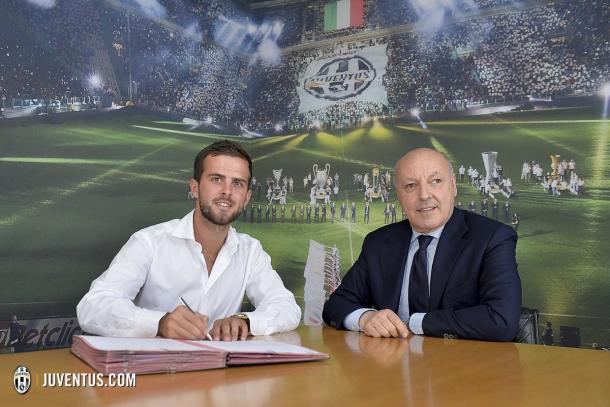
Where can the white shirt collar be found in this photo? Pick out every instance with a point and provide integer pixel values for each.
(436, 233)
(185, 229)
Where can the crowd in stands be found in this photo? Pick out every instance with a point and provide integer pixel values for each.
(390, 13)
(341, 114)
(589, 38)
(270, 97)
(46, 53)
(524, 59)
(545, 51)
(306, 24)
(548, 50)
(172, 72)
(293, 18)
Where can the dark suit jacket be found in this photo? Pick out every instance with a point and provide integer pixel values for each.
(475, 290)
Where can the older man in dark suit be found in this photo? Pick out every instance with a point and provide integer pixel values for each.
(442, 272)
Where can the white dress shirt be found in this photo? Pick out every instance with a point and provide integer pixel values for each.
(414, 322)
(161, 263)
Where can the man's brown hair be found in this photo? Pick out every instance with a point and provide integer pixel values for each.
(222, 147)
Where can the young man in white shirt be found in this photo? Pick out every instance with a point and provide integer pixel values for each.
(199, 260)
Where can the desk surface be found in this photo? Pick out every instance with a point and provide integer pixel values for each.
(361, 371)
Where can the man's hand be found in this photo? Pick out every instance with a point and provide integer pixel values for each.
(182, 323)
(229, 329)
(384, 323)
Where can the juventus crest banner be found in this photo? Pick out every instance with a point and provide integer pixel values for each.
(345, 78)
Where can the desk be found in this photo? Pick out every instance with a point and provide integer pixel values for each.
(363, 371)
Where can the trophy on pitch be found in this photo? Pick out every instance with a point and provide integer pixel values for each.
(277, 175)
(376, 191)
(562, 184)
(321, 176)
(489, 160)
(554, 165)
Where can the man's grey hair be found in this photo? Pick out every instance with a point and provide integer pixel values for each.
(448, 162)
(441, 153)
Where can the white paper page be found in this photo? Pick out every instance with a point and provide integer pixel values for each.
(138, 344)
(260, 347)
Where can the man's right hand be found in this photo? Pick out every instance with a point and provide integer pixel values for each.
(384, 323)
(182, 323)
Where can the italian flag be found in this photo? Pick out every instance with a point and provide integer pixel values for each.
(343, 14)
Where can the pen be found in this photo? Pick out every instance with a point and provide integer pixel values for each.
(208, 336)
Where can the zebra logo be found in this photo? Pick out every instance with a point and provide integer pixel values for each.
(22, 379)
(341, 78)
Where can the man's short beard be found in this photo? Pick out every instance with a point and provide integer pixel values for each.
(207, 212)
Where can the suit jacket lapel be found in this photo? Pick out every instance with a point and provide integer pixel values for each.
(449, 247)
(395, 252)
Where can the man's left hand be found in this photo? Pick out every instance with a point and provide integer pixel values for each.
(229, 329)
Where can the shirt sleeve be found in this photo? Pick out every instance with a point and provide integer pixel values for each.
(108, 308)
(275, 307)
(352, 321)
(415, 323)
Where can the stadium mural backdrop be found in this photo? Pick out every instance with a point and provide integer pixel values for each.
(99, 130)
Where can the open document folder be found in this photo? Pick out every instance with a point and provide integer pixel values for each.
(154, 355)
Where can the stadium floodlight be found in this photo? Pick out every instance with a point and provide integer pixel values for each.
(277, 28)
(415, 113)
(95, 81)
(605, 91)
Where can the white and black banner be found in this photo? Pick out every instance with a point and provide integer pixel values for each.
(352, 77)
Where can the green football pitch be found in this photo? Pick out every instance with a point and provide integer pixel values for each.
(73, 193)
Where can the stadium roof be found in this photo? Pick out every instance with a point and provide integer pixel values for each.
(258, 4)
